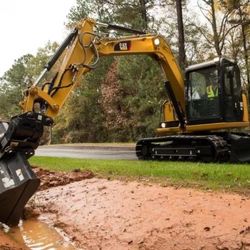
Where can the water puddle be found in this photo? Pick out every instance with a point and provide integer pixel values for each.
(37, 235)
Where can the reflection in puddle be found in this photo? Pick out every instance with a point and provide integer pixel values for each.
(39, 236)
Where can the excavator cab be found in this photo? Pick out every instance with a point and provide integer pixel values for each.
(215, 106)
(214, 93)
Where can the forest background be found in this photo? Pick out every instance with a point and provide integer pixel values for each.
(121, 99)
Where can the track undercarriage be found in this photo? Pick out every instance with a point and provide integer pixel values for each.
(219, 147)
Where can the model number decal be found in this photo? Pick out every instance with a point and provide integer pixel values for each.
(123, 46)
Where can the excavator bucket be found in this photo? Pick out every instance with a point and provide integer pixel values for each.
(18, 140)
(17, 184)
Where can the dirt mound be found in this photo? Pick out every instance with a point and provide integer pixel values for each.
(53, 179)
(103, 214)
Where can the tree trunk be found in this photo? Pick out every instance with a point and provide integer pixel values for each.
(181, 42)
(144, 13)
(214, 27)
(244, 40)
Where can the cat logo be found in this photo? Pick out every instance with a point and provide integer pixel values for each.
(123, 46)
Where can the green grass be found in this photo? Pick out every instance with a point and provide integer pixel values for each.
(233, 177)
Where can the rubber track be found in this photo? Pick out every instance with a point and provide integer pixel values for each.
(216, 148)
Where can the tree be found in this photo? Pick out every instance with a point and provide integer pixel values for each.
(218, 27)
(97, 9)
(13, 82)
(143, 94)
(110, 105)
(86, 122)
(181, 40)
(241, 12)
(21, 74)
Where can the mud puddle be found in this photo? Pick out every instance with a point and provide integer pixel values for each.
(41, 234)
(37, 235)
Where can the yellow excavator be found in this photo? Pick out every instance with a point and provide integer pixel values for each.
(198, 115)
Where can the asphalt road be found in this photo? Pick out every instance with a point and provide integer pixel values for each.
(88, 152)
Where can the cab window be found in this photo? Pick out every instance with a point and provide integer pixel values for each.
(203, 94)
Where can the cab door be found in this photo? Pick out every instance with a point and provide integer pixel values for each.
(201, 107)
(232, 93)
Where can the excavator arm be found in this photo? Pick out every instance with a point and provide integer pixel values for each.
(82, 49)
(77, 55)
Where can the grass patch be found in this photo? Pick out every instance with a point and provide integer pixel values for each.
(233, 177)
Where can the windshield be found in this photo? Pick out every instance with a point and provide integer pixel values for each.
(203, 93)
(200, 83)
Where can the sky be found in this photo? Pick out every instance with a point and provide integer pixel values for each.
(26, 25)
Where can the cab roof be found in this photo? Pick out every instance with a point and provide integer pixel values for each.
(215, 61)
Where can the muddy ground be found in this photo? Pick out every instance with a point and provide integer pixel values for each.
(7, 244)
(110, 214)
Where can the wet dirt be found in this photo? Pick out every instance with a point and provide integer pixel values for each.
(34, 234)
(6, 243)
(111, 214)
(38, 235)
(53, 179)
